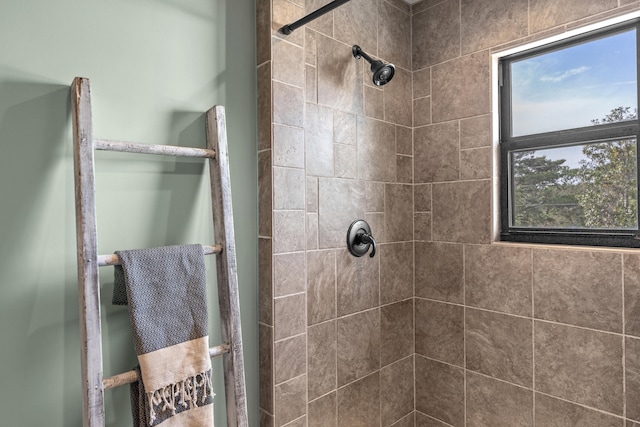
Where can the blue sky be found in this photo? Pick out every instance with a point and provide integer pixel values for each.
(570, 87)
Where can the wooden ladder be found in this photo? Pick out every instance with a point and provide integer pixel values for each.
(84, 145)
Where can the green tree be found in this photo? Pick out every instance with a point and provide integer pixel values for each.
(608, 175)
(545, 192)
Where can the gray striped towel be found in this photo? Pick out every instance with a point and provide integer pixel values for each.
(166, 292)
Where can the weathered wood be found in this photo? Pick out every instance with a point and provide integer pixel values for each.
(88, 282)
(228, 297)
(165, 150)
(93, 385)
(132, 376)
(113, 259)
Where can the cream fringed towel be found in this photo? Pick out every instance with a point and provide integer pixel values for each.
(166, 293)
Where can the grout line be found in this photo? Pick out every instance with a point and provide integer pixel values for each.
(533, 340)
(464, 331)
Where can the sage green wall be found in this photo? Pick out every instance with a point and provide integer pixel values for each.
(155, 67)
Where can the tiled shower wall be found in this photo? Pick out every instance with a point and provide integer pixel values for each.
(503, 335)
(506, 334)
(336, 331)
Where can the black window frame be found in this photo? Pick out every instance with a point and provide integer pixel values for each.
(567, 137)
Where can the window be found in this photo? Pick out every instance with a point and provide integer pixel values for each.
(568, 141)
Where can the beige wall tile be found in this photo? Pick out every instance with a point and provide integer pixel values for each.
(339, 75)
(322, 357)
(373, 102)
(499, 278)
(323, 412)
(422, 226)
(312, 194)
(285, 12)
(359, 403)
(263, 31)
(289, 231)
(289, 274)
(359, 344)
(475, 132)
(579, 365)
(461, 88)
(436, 34)
(422, 111)
(396, 331)
(398, 208)
(344, 127)
(345, 161)
(396, 386)
(290, 358)
(545, 14)
(500, 346)
(551, 412)
(476, 163)
(422, 197)
(426, 421)
(265, 340)
(358, 282)
(397, 99)
(421, 83)
(376, 150)
(404, 166)
(323, 24)
(321, 286)
(288, 104)
(341, 203)
(440, 331)
(265, 304)
(404, 140)
(439, 271)
(394, 36)
(437, 154)
(632, 294)
(288, 188)
(266, 419)
(374, 197)
(290, 400)
(318, 134)
(288, 62)
(265, 188)
(462, 212)
(289, 316)
(632, 377)
(265, 108)
(288, 146)
(440, 391)
(487, 23)
(311, 84)
(310, 47)
(356, 23)
(396, 271)
(579, 288)
(312, 231)
(515, 407)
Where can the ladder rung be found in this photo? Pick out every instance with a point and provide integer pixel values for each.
(113, 259)
(167, 150)
(132, 376)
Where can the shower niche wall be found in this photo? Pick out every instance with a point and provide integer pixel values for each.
(441, 327)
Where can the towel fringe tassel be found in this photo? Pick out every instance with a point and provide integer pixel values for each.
(184, 392)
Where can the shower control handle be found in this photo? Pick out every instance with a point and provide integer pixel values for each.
(360, 240)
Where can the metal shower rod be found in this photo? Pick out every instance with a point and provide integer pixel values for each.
(289, 28)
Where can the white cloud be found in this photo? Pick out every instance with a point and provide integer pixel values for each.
(558, 77)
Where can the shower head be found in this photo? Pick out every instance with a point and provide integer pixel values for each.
(382, 73)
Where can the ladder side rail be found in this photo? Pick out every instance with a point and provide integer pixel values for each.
(86, 236)
(227, 277)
